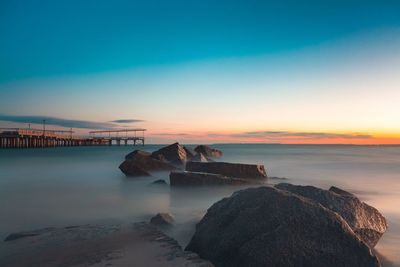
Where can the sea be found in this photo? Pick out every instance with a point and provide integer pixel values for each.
(65, 186)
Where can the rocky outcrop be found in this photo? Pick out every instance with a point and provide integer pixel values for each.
(140, 163)
(266, 226)
(163, 220)
(237, 170)
(199, 157)
(208, 151)
(174, 154)
(366, 221)
(185, 178)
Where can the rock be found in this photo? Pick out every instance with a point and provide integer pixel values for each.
(162, 220)
(190, 153)
(266, 226)
(15, 236)
(199, 157)
(340, 191)
(140, 163)
(185, 178)
(208, 151)
(174, 154)
(132, 168)
(159, 182)
(367, 223)
(137, 155)
(237, 170)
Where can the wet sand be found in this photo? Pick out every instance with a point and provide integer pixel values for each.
(138, 244)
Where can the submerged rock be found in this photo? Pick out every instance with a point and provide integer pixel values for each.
(237, 170)
(266, 226)
(159, 182)
(140, 163)
(174, 154)
(162, 220)
(15, 236)
(186, 178)
(366, 221)
(208, 151)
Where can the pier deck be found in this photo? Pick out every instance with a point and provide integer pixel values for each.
(36, 138)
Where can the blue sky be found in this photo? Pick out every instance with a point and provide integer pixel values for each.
(51, 38)
(112, 60)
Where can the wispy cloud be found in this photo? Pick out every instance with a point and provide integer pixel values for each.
(172, 134)
(60, 122)
(127, 121)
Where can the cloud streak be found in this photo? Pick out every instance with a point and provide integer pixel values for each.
(281, 136)
(302, 135)
(127, 121)
(62, 122)
(172, 134)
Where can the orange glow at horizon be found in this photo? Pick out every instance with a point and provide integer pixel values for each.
(206, 137)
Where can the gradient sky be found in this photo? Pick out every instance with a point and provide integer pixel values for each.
(205, 71)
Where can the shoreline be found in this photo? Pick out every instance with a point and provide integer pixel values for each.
(97, 245)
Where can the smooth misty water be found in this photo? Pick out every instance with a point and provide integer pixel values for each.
(69, 186)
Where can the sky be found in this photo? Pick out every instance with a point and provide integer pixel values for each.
(205, 71)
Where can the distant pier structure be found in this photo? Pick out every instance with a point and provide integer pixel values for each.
(119, 137)
(37, 138)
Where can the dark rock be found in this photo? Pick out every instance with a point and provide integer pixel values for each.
(199, 157)
(159, 182)
(132, 168)
(339, 191)
(269, 227)
(237, 170)
(140, 163)
(15, 236)
(208, 151)
(367, 223)
(185, 178)
(190, 153)
(174, 154)
(137, 155)
(162, 220)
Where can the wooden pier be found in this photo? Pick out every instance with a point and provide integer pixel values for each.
(119, 137)
(37, 138)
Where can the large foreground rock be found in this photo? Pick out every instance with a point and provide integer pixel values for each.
(366, 221)
(140, 163)
(185, 178)
(208, 151)
(174, 154)
(270, 227)
(237, 170)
